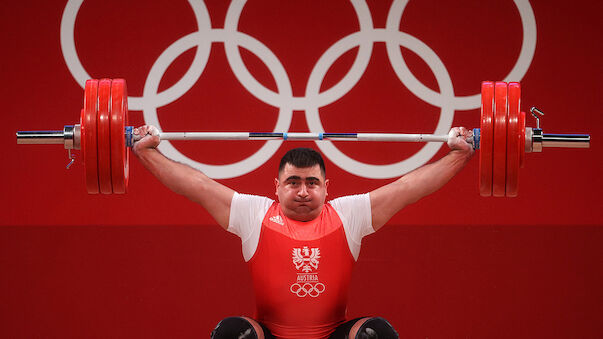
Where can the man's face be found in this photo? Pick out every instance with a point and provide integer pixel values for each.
(301, 191)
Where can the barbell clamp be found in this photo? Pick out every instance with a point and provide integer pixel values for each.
(71, 158)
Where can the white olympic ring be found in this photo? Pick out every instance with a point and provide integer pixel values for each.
(313, 99)
(307, 289)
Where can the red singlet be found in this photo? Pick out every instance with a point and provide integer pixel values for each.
(301, 271)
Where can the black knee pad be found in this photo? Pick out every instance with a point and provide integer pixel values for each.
(376, 328)
(234, 328)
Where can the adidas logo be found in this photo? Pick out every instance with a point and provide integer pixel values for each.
(277, 219)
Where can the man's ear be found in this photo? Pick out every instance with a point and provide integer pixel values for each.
(326, 186)
(276, 183)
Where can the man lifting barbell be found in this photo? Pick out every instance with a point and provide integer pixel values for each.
(301, 249)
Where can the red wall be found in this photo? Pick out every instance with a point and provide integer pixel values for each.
(151, 264)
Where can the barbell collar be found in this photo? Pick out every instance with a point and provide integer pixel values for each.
(528, 141)
(71, 136)
(536, 140)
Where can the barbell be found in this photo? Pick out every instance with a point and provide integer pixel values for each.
(104, 137)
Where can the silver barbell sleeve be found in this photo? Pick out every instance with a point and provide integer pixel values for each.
(41, 137)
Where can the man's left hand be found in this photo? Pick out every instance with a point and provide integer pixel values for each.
(457, 140)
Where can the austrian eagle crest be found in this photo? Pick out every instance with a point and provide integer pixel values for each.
(306, 258)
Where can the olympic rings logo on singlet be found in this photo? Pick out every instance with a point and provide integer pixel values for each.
(363, 39)
(307, 289)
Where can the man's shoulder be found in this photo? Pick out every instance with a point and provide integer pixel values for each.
(251, 202)
(353, 198)
(250, 197)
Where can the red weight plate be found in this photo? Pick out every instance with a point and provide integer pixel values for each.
(486, 139)
(499, 161)
(88, 135)
(522, 138)
(120, 154)
(104, 136)
(513, 140)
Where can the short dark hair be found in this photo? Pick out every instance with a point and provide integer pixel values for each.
(302, 157)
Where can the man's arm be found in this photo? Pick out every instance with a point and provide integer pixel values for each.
(388, 200)
(182, 179)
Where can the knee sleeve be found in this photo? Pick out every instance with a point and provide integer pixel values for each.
(234, 328)
(376, 328)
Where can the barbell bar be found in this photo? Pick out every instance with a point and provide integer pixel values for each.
(104, 137)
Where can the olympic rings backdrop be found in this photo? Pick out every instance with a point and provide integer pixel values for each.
(152, 264)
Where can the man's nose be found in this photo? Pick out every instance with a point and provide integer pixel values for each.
(303, 191)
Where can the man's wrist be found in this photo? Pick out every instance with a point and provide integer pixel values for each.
(143, 151)
(461, 153)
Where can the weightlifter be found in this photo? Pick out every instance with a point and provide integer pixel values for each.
(300, 248)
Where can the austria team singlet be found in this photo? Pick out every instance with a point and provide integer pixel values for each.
(301, 272)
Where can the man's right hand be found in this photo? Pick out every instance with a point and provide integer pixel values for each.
(148, 138)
